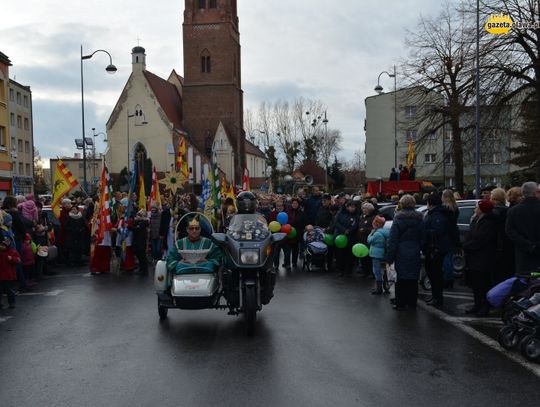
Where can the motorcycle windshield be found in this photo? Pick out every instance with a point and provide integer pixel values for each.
(248, 227)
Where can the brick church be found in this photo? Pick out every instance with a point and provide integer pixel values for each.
(205, 106)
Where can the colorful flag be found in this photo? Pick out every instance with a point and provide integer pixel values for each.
(231, 194)
(181, 160)
(64, 181)
(142, 193)
(245, 181)
(155, 196)
(223, 187)
(410, 154)
(104, 214)
(206, 205)
(214, 179)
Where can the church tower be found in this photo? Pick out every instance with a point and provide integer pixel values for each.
(212, 91)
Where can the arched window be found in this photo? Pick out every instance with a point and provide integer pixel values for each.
(206, 62)
(202, 4)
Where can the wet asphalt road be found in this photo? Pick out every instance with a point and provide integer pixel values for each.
(322, 341)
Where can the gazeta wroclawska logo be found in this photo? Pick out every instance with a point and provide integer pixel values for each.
(499, 24)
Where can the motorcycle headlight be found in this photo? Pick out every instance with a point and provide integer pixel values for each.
(249, 256)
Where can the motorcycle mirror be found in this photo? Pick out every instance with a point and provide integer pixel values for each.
(219, 238)
(278, 237)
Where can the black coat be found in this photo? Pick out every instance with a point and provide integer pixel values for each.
(441, 233)
(480, 244)
(403, 247)
(505, 264)
(365, 226)
(74, 230)
(523, 229)
(164, 226)
(347, 224)
(324, 217)
(140, 234)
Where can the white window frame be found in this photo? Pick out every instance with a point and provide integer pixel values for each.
(432, 158)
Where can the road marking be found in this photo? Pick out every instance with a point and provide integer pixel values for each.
(459, 323)
(4, 319)
(53, 293)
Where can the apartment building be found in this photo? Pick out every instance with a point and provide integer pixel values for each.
(21, 138)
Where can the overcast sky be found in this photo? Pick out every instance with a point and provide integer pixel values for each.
(321, 49)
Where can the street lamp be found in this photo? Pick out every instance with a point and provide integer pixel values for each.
(379, 90)
(110, 69)
(94, 149)
(138, 113)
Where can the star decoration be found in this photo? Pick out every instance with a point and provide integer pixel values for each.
(174, 181)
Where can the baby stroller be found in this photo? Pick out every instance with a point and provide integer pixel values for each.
(523, 331)
(315, 249)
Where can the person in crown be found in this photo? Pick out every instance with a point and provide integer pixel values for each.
(179, 263)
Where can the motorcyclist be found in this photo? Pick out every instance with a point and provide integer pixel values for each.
(246, 202)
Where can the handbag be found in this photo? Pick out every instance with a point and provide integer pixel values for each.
(391, 273)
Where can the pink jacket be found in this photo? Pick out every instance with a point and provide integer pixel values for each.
(29, 210)
(27, 255)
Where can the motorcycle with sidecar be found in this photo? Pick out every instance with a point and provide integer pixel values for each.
(244, 281)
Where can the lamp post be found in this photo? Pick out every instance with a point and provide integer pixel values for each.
(94, 149)
(379, 90)
(138, 113)
(110, 69)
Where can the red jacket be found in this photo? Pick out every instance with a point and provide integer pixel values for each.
(8, 267)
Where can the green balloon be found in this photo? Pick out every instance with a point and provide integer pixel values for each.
(292, 233)
(328, 239)
(341, 241)
(360, 250)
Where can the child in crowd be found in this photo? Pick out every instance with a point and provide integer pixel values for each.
(377, 245)
(28, 251)
(9, 258)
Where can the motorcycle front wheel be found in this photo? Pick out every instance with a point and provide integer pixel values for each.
(250, 309)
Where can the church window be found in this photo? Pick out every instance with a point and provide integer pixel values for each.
(206, 63)
(202, 4)
(213, 3)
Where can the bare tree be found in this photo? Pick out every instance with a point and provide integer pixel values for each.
(515, 66)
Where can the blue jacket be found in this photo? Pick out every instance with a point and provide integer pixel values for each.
(377, 243)
(404, 244)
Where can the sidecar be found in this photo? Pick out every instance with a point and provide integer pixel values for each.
(197, 286)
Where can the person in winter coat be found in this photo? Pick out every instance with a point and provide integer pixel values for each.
(62, 239)
(448, 199)
(74, 235)
(312, 205)
(377, 248)
(346, 224)
(29, 210)
(364, 229)
(165, 226)
(480, 244)
(504, 264)
(522, 228)
(139, 226)
(19, 231)
(441, 235)
(403, 250)
(9, 258)
(155, 241)
(324, 216)
(297, 219)
(28, 260)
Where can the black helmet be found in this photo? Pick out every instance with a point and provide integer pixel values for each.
(246, 202)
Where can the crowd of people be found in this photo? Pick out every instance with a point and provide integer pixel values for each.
(504, 237)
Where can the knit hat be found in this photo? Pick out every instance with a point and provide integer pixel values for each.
(378, 222)
(485, 205)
